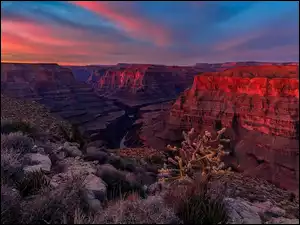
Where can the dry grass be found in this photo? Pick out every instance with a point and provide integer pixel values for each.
(10, 126)
(150, 154)
(194, 204)
(19, 142)
(11, 162)
(10, 205)
(54, 206)
(141, 211)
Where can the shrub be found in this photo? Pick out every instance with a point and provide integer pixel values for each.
(195, 204)
(10, 205)
(201, 209)
(195, 154)
(56, 206)
(143, 211)
(10, 164)
(116, 182)
(17, 141)
(32, 183)
(8, 127)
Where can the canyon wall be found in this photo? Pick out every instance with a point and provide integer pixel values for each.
(34, 73)
(260, 107)
(140, 84)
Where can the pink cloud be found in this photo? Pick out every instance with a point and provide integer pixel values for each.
(135, 25)
(35, 32)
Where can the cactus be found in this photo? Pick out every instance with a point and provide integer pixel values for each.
(195, 154)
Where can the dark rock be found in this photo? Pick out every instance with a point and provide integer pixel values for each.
(101, 157)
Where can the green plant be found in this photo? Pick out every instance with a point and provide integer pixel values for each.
(8, 126)
(196, 203)
(32, 183)
(202, 209)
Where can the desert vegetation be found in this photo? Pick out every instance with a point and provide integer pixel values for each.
(57, 182)
(28, 188)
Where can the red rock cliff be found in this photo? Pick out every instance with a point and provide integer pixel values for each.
(137, 78)
(260, 105)
(32, 73)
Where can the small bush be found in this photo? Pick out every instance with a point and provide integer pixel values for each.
(195, 203)
(56, 206)
(8, 127)
(201, 209)
(143, 211)
(17, 141)
(32, 183)
(10, 205)
(10, 164)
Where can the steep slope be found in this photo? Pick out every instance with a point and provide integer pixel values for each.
(22, 110)
(260, 105)
(56, 88)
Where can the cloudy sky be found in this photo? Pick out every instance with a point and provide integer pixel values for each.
(182, 33)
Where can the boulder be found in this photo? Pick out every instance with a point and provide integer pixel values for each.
(241, 212)
(71, 149)
(118, 181)
(98, 143)
(93, 149)
(94, 191)
(282, 220)
(73, 168)
(101, 157)
(37, 161)
(61, 155)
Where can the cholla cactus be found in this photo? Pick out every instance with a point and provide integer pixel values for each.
(195, 154)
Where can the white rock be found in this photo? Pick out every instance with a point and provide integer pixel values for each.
(41, 161)
(282, 220)
(268, 209)
(72, 150)
(241, 212)
(95, 191)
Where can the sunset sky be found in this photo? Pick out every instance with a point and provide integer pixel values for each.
(182, 33)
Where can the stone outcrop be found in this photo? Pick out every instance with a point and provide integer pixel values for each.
(138, 84)
(259, 105)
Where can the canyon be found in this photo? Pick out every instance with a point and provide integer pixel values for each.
(259, 106)
(137, 105)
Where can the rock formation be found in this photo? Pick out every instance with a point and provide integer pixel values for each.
(141, 84)
(260, 105)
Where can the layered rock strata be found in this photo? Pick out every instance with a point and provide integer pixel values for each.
(260, 106)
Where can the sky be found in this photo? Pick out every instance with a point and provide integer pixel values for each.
(171, 33)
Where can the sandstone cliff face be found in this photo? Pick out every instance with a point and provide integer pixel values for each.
(27, 80)
(32, 73)
(140, 84)
(141, 78)
(260, 105)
